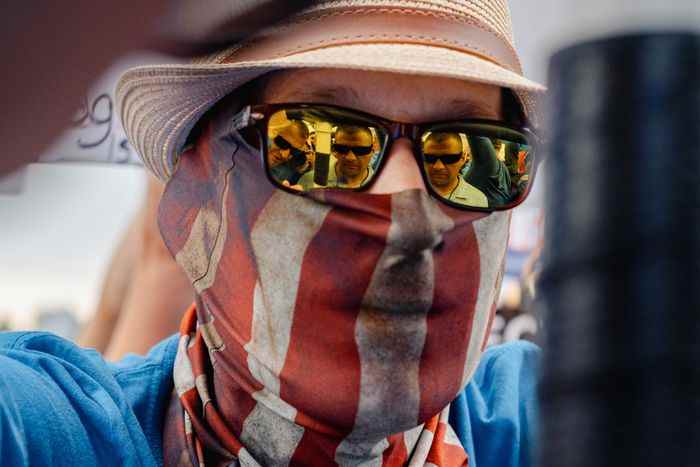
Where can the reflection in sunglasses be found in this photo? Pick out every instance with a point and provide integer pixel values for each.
(468, 164)
(446, 159)
(356, 150)
(282, 143)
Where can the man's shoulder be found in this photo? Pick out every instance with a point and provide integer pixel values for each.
(307, 180)
(31, 347)
(495, 416)
(468, 194)
(511, 355)
(60, 401)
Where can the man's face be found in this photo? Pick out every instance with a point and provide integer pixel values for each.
(387, 280)
(444, 159)
(353, 149)
(288, 138)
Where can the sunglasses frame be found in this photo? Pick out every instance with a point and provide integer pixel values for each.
(258, 117)
(334, 147)
(293, 151)
(427, 158)
(287, 143)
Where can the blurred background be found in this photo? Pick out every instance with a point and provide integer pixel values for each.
(61, 222)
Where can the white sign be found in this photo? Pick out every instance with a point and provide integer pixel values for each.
(95, 134)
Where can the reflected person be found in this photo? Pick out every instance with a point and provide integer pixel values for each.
(287, 155)
(444, 158)
(352, 151)
(518, 178)
(487, 172)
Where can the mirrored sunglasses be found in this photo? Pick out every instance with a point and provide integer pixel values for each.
(345, 149)
(445, 159)
(486, 165)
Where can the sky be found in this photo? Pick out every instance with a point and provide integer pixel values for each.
(61, 221)
(57, 234)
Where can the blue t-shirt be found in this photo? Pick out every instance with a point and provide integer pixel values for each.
(62, 405)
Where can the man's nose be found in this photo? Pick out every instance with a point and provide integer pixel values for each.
(438, 164)
(351, 156)
(400, 170)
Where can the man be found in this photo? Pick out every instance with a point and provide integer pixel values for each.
(444, 158)
(288, 153)
(352, 151)
(331, 327)
(487, 172)
(352, 148)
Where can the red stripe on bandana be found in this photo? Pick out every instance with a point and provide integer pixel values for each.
(187, 195)
(235, 293)
(444, 453)
(328, 302)
(211, 441)
(397, 454)
(209, 431)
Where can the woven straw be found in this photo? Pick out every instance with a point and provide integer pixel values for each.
(159, 105)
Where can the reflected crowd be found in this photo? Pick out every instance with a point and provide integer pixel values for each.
(468, 165)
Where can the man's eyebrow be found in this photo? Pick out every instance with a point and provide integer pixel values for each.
(330, 94)
(464, 107)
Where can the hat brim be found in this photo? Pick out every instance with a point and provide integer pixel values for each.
(159, 105)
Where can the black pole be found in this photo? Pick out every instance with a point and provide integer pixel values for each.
(620, 287)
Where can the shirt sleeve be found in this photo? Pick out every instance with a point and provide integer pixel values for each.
(60, 405)
(496, 416)
(13, 444)
(485, 162)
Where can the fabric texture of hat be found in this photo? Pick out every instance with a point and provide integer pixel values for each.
(463, 39)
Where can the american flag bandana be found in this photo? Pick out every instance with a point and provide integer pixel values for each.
(334, 328)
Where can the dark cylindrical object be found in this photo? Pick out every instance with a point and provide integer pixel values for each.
(321, 167)
(620, 288)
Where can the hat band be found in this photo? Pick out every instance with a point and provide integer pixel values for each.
(377, 26)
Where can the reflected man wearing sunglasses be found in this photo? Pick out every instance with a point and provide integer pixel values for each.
(444, 158)
(488, 172)
(287, 156)
(353, 151)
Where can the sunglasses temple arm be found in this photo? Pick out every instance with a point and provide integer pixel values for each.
(244, 118)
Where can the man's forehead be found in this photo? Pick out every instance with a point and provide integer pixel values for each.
(411, 99)
(355, 134)
(451, 141)
(294, 128)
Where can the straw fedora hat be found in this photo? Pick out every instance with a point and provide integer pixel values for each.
(463, 39)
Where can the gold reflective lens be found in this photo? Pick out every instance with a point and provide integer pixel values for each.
(473, 164)
(318, 147)
(480, 167)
